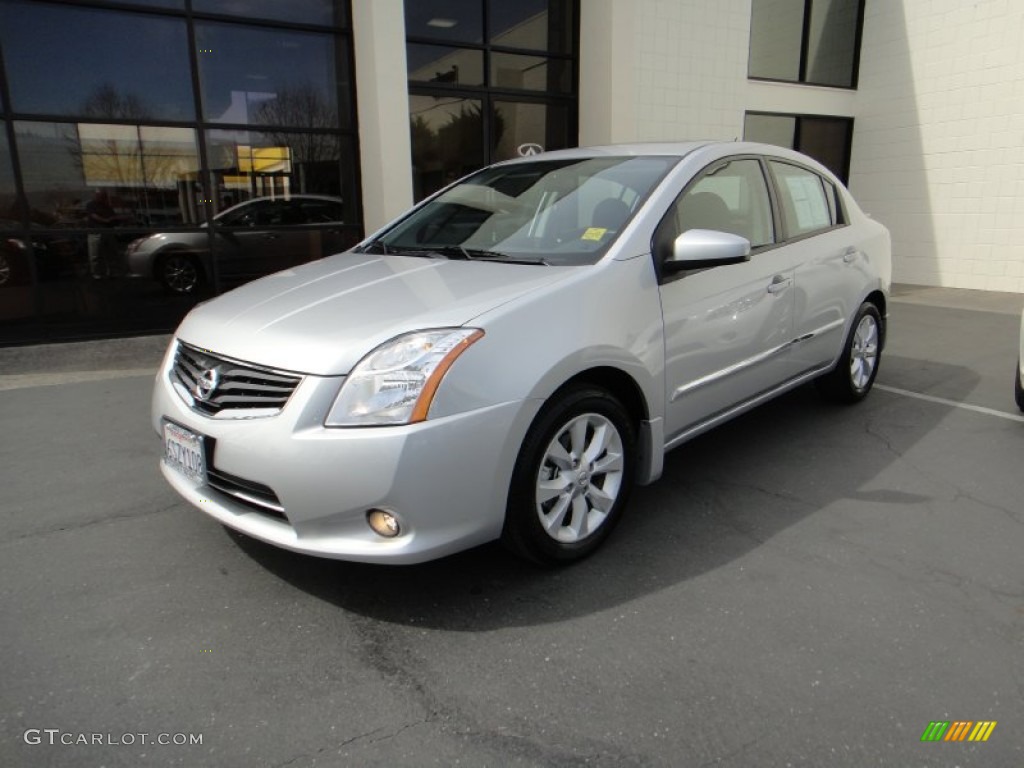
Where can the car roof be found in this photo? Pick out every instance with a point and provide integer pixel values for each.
(678, 149)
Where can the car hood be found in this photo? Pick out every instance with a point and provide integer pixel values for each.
(323, 317)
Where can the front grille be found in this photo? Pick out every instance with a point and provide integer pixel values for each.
(261, 497)
(223, 388)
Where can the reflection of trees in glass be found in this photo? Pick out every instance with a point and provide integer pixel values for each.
(301, 106)
(150, 159)
(455, 145)
(106, 101)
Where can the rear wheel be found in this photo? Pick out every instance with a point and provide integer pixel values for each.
(854, 374)
(572, 477)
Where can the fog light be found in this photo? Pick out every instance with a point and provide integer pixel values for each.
(383, 523)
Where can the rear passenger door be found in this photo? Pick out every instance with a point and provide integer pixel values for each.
(831, 271)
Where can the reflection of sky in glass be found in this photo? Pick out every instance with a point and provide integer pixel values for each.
(299, 11)
(56, 57)
(243, 67)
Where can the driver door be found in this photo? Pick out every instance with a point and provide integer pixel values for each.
(727, 328)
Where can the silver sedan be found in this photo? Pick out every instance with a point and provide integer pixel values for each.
(512, 356)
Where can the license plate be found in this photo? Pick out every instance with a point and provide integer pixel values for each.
(183, 452)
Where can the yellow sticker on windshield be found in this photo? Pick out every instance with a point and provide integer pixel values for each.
(594, 233)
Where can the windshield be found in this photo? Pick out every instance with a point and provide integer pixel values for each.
(563, 212)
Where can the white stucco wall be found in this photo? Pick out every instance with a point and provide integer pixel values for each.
(653, 70)
(938, 151)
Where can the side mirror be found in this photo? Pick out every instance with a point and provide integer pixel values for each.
(703, 248)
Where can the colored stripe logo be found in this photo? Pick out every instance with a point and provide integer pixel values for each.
(958, 730)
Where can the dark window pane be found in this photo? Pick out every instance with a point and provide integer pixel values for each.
(776, 34)
(440, 64)
(455, 20)
(827, 140)
(100, 64)
(146, 173)
(271, 77)
(326, 12)
(532, 73)
(447, 140)
(832, 42)
(6, 174)
(543, 25)
(779, 130)
(804, 206)
(520, 128)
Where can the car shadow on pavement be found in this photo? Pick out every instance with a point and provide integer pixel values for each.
(722, 496)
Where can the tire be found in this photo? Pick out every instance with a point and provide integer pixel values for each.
(179, 273)
(6, 270)
(854, 374)
(559, 508)
(1018, 388)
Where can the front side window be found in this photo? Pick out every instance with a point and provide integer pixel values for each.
(729, 197)
(564, 212)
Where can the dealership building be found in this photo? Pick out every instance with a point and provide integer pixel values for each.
(156, 152)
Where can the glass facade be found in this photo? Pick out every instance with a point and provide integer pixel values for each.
(155, 152)
(806, 41)
(488, 80)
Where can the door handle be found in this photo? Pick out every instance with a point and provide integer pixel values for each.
(779, 284)
(850, 255)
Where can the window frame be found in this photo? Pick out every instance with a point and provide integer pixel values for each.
(488, 94)
(805, 39)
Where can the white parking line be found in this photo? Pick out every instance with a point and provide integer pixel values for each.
(951, 403)
(30, 380)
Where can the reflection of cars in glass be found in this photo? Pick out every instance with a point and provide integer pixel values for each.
(53, 255)
(250, 238)
(510, 357)
(1018, 386)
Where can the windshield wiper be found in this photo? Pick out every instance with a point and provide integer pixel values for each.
(472, 254)
(451, 252)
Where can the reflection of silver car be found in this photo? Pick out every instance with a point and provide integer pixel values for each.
(252, 238)
(509, 358)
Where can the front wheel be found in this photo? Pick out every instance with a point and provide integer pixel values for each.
(572, 477)
(179, 273)
(854, 374)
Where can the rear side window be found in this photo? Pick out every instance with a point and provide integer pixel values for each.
(806, 208)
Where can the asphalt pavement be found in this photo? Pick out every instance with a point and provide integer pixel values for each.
(808, 585)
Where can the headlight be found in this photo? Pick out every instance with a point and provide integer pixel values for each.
(395, 383)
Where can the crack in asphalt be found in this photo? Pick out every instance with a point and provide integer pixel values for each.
(77, 526)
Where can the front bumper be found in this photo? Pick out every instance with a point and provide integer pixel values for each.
(446, 479)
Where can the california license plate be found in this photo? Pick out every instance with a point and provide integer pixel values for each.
(183, 452)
